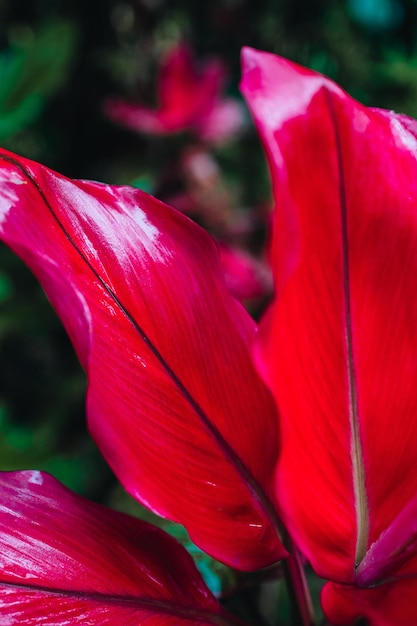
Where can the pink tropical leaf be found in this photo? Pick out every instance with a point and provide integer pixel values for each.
(339, 346)
(174, 401)
(246, 276)
(189, 99)
(223, 121)
(65, 560)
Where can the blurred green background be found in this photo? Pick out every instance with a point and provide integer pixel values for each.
(59, 60)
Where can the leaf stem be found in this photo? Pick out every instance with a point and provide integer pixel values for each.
(298, 591)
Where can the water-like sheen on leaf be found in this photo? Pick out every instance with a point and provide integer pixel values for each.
(338, 347)
(65, 560)
(174, 400)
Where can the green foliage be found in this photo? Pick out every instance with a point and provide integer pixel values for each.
(32, 67)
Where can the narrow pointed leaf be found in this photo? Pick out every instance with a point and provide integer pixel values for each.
(174, 401)
(339, 345)
(65, 560)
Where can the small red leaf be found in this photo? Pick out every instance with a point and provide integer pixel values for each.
(174, 401)
(189, 99)
(65, 560)
(245, 275)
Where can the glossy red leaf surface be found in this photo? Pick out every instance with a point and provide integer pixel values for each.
(65, 560)
(189, 99)
(393, 549)
(174, 401)
(339, 345)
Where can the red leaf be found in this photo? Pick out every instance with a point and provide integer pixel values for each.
(186, 90)
(339, 345)
(246, 276)
(390, 604)
(174, 401)
(189, 99)
(392, 549)
(66, 560)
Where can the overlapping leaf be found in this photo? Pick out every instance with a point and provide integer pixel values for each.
(174, 401)
(389, 604)
(339, 346)
(65, 560)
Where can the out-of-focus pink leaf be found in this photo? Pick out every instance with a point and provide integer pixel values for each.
(189, 99)
(246, 276)
(65, 560)
(225, 120)
(174, 401)
(339, 345)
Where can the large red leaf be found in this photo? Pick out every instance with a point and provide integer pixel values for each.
(174, 401)
(65, 560)
(339, 345)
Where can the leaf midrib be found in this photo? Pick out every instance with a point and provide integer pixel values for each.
(356, 450)
(165, 607)
(255, 489)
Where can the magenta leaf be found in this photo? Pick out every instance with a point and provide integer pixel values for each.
(392, 549)
(338, 346)
(190, 98)
(174, 401)
(65, 560)
(245, 275)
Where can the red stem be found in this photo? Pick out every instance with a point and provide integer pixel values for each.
(298, 591)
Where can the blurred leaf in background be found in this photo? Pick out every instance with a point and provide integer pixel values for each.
(32, 67)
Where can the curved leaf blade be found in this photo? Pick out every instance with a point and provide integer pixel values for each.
(67, 560)
(338, 347)
(174, 401)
